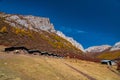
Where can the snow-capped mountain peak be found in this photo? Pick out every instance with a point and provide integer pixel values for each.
(96, 49)
(116, 46)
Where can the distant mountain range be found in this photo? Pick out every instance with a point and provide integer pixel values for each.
(97, 49)
(102, 48)
(115, 47)
(104, 51)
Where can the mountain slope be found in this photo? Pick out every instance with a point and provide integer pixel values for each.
(70, 39)
(34, 33)
(37, 24)
(109, 55)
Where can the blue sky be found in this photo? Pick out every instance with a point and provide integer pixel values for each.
(90, 22)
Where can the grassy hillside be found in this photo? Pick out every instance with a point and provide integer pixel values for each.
(28, 67)
(109, 55)
(44, 41)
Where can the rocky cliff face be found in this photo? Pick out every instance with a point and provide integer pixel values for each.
(31, 22)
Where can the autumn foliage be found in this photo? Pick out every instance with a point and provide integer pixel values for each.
(3, 29)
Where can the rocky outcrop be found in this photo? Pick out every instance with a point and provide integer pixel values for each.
(31, 22)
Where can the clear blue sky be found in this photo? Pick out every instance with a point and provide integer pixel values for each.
(90, 22)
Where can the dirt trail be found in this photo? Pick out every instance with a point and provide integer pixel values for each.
(89, 77)
(113, 71)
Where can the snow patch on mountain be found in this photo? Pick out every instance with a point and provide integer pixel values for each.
(71, 40)
(116, 46)
(96, 49)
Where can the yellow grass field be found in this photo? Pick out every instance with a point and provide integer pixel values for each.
(32, 67)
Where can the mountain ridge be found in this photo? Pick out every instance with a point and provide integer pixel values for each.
(36, 23)
(14, 33)
(104, 51)
(102, 48)
(95, 49)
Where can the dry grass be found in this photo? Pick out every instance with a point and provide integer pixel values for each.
(95, 70)
(109, 55)
(36, 68)
(28, 67)
(2, 48)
